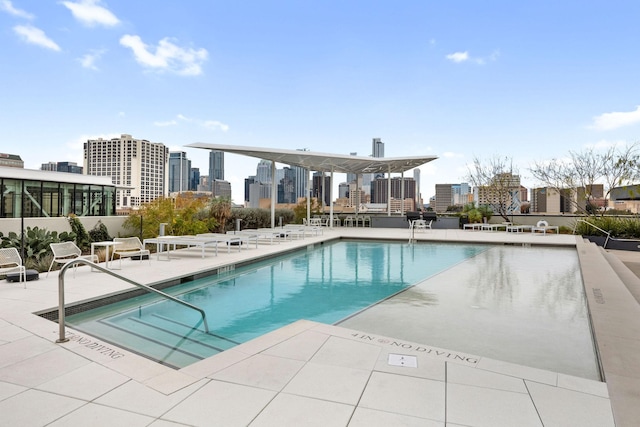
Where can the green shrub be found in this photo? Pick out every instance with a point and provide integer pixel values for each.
(474, 215)
(182, 216)
(620, 227)
(82, 237)
(99, 233)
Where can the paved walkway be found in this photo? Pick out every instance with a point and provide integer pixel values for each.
(303, 374)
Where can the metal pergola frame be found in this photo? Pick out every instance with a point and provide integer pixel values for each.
(322, 162)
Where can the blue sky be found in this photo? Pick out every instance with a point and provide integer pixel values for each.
(530, 80)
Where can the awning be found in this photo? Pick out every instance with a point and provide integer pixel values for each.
(323, 162)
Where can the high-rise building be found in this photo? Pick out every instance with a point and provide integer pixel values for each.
(461, 194)
(443, 198)
(416, 177)
(321, 184)
(194, 179)
(377, 150)
(258, 191)
(286, 186)
(263, 171)
(343, 190)
(300, 178)
(352, 177)
(136, 164)
(356, 197)
(216, 165)
(380, 190)
(247, 187)
(179, 171)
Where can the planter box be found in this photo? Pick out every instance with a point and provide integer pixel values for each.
(617, 244)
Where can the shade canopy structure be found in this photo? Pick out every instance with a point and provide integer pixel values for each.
(323, 162)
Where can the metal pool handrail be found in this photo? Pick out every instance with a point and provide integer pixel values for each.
(75, 262)
(596, 227)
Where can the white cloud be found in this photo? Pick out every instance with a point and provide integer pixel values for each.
(90, 13)
(167, 57)
(6, 6)
(215, 125)
(89, 60)
(616, 119)
(209, 124)
(33, 35)
(451, 155)
(458, 56)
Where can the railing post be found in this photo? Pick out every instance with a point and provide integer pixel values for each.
(61, 326)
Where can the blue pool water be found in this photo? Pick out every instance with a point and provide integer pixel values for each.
(324, 284)
(524, 305)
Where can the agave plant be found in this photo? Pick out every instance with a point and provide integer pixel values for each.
(36, 242)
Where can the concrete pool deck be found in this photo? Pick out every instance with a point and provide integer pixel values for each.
(309, 373)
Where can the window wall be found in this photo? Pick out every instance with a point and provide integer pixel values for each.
(27, 198)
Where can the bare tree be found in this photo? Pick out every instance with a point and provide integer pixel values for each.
(498, 184)
(579, 174)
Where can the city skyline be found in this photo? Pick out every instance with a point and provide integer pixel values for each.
(528, 81)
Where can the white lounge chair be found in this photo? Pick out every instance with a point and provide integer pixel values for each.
(128, 247)
(230, 240)
(11, 262)
(65, 252)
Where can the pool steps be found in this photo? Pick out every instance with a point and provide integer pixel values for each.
(159, 338)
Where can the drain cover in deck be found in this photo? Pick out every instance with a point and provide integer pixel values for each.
(403, 360)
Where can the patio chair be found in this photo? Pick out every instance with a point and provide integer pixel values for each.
(11, 262)
(65, 252)
(421, 224)
(129, 247)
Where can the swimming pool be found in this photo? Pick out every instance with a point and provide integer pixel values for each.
(328, 283)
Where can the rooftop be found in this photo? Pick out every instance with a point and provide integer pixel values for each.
(309, 373)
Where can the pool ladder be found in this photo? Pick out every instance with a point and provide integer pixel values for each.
(62, 335)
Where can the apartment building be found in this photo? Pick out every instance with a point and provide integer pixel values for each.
(11, 160)
(380, 191)
(139, 168)
(503, 191)
(443, 197)
(550, 200)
